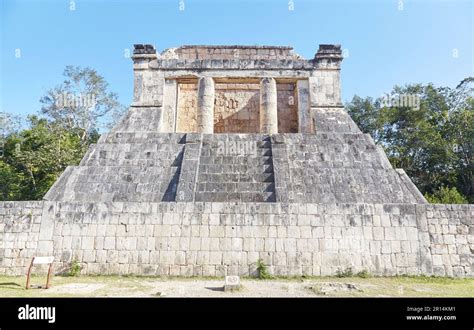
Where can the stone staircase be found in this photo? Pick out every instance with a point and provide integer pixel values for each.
(235, 168)
(326, 167)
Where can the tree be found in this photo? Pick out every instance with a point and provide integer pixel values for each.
(33, 156)
(461, 129)
(82, 103)
(10, 182)
(38, 156)
(365, 113)
(433, 141)
(445, 195)
(8, 125)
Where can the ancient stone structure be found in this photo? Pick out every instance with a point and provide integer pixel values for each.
(228, 155)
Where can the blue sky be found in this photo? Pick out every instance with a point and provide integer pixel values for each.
(386, 45)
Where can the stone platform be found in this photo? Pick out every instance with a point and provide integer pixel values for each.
(337, 164)
(231, 155)
(218, 239)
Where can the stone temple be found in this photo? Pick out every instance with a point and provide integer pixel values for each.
(229, 155)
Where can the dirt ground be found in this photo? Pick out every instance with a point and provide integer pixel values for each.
(128, 286)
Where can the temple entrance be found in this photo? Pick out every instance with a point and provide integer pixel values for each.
(237, 106)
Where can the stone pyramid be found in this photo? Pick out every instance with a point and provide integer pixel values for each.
(230, 157)
(288, 140)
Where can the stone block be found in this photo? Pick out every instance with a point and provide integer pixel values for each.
(232, 283)
(389, 233)
(385, 220)
(386, 247)
(87, 243)
(109, 243)
(378, 233)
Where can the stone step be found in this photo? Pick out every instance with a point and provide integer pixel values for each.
(236, 177)
(126, 187)
(235, 197)
(254, 187)
(138, 148)
(237, 145)
(121, 170)
(134, 159)
(134, 162)
(234, 169)
(237, 160)
(143, 137)
(215, 152)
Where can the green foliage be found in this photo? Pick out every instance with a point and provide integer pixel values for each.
(349, 273)
(365, 113)
(75, 268)
(345, 273)
(363, 274)
(35, 157)
(10, 182)
(262, 270)
(445, 195)
(34, 154)
(433, 142)
(82, 103)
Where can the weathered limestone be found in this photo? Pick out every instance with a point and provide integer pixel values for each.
(329, 160)
(170, 95)
(304, 119)
(219, 239)
(147, 200)
(324, 83)
(268, 106)
(148, 84)
(205, 105)
(169, 83)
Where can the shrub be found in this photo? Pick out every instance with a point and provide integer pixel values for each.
(363, 274)
(75, 268)
(262, 270)
(445, 195)
(346, 273)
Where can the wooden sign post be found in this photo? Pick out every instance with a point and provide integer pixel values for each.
(40, 261)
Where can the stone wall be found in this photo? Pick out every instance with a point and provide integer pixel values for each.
(451, 232)
(187, 108)
(237, 108)
(287, 108)
(20, 224)
(161, 81)
(193, 52)
(214, 239)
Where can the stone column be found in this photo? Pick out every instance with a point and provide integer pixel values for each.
(148, 83)
(324, 82)
(304, 118)
(268, 106)
(170, 93)
(325, 91)
(205, 105)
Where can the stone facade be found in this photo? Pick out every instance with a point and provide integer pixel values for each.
(237, 108)
(217, 239)
(228, 155)
(169, 81)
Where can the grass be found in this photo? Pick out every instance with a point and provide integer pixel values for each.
(100, 286)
